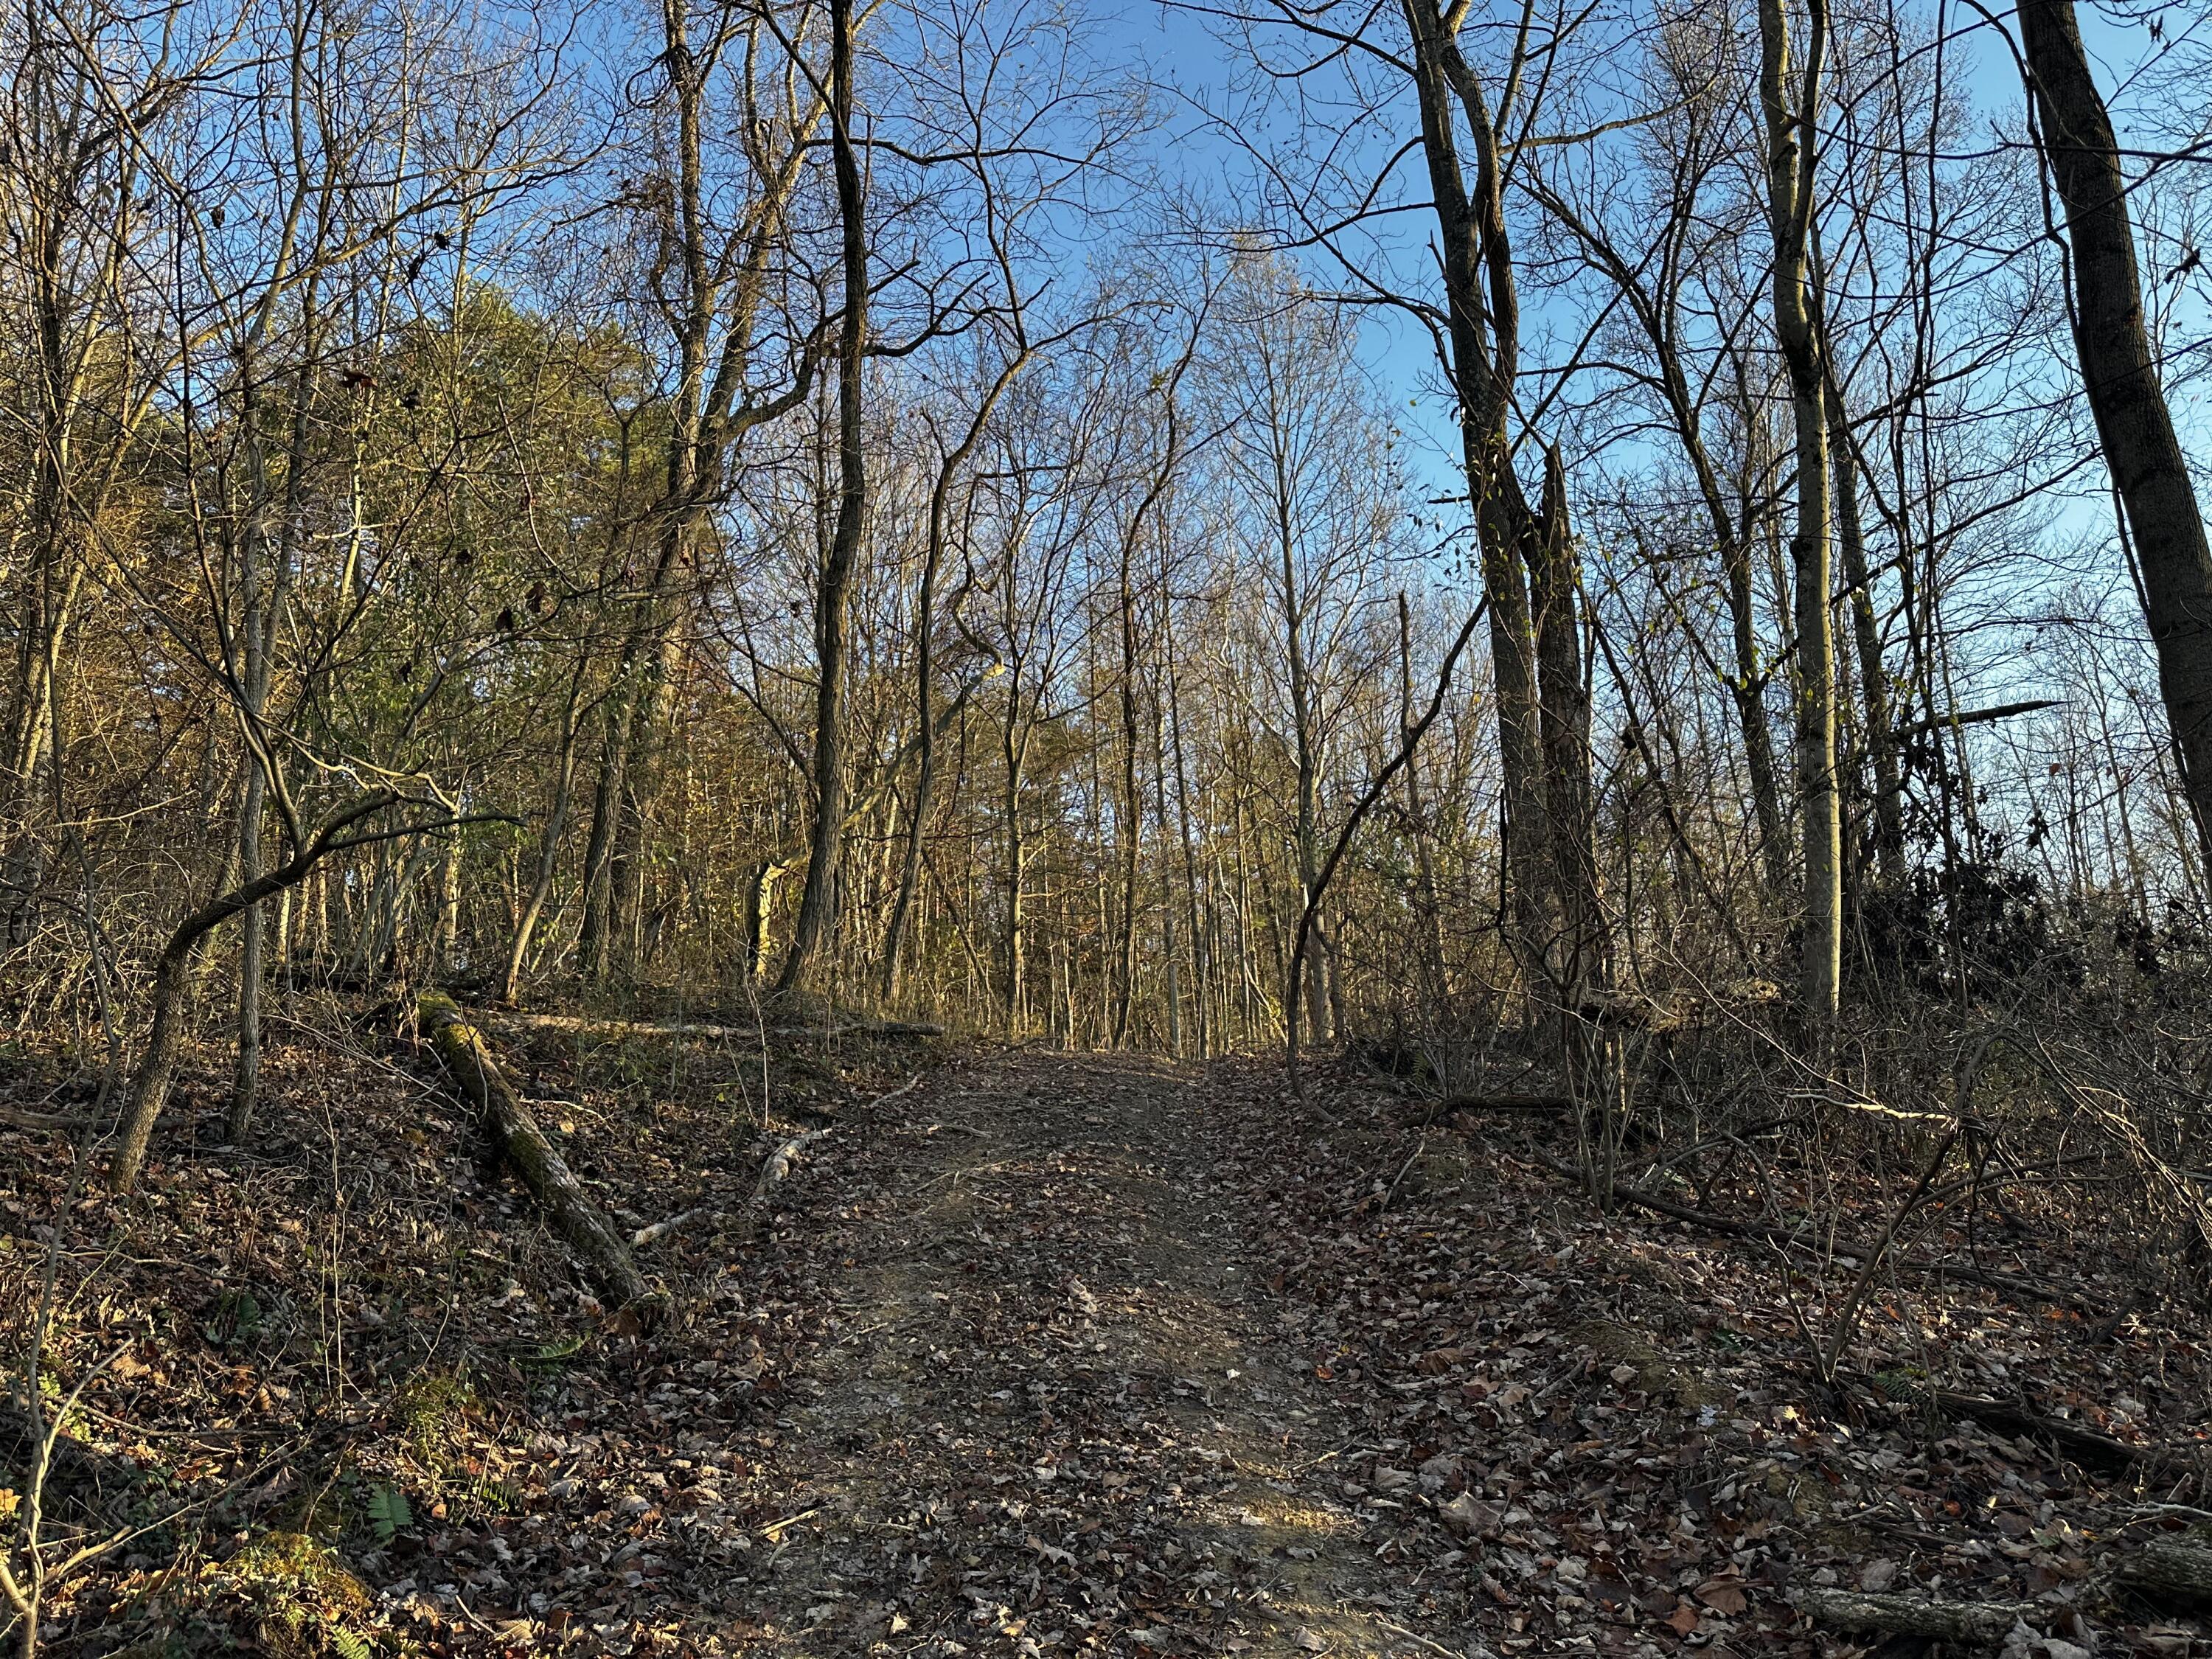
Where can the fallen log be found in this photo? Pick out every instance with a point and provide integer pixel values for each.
(2015, 1416)
(2168, 1569)
(749, 1216)
(777, 1167)
(1502, 1103)
(17, 1118)
(1909, 1616)
(574, 1217)
(870, 1027)
(1796, 1238)
(616, 1029)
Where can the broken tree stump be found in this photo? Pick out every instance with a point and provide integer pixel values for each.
(574, 1217)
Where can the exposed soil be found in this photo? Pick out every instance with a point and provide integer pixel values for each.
(1062, 1406)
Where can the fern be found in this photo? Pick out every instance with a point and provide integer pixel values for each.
(388, 1512)
(349, 1645)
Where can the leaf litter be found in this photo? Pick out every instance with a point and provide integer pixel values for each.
(1053, 1355)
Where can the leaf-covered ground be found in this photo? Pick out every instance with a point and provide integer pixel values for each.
(1049, 1354)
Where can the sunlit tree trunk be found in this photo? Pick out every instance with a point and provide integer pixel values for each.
(1790, 101)
(1484, 334)
(1881, 743)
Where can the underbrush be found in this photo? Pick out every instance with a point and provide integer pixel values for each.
(1626, 1424)
(314, 1393)
(1927, 1314)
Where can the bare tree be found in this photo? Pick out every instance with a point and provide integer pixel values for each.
(2120, 378)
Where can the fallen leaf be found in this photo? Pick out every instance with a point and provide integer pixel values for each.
(1723, 1595)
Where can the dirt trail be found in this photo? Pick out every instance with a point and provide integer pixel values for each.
(1054, 1417)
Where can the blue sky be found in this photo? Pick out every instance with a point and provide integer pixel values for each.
(1181, 50)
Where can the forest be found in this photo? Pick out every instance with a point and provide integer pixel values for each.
(919, 826)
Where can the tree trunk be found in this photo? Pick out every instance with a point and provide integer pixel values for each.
(1789, 104)
(1565, 723)
(549, 849)
(469, 1058)
(246, 1080)
(1131, 814)
(157, 1067)
(1015, 747)
(759, 915)
(2135, 427)
(1484, 332)
(1866, 631)
(1428, 913)
(831, 622)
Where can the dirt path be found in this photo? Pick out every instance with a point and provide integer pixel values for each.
(1054, 1418)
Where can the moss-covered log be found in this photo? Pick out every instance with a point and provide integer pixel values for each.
(574, 1217)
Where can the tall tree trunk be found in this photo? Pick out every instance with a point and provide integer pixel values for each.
(831, 622)
(1306, 740)
(925, 779)
(924, 668)
(1484, 333)
(1429, 915)
(1748, 688)
(1167, 949)
(1584, 956)
(1202, 945)
(1866, 633)
(2134, 426)
(1131, 813)
(245, 1081)
(1015, 750)
(266, 586)
(1790, 102)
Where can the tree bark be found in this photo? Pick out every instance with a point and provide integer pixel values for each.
(1909, 1616)
(2135, 429)
(1866, 634)
(831, 622)
(924, 668)
(549, 847)
(2169, 1569)
(1564, 710)
(468, 1057)
(1484, 332)
(1428, 910)
(1790, 102)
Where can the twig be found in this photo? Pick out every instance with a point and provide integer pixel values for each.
(1419, 1146)
(776, 1526)
(1849, 1318)
(1415, 1636)
(775, 1169)
(2009, 1284)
